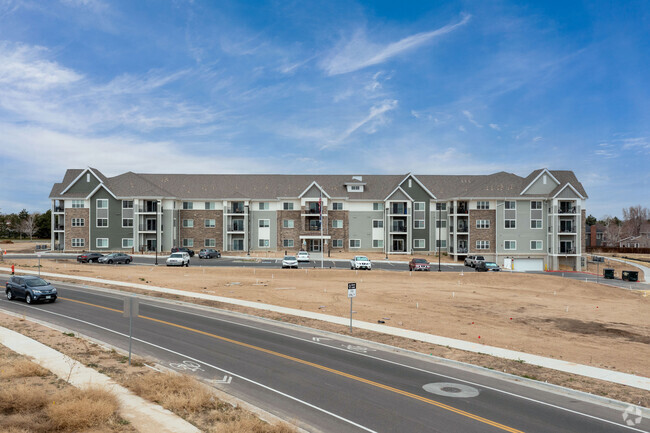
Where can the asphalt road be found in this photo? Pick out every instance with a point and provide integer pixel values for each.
(326, 382)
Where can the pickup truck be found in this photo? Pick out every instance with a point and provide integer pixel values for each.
(473, 260)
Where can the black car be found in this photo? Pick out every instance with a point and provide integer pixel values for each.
(487, 267)
(209, 253)
(183, 250)
(30, 288)
(89, 257)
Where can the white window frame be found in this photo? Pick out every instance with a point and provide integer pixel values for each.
(482, 224)
(356, 241)
(78, 222)
(337, 224)
(355, 188)
(378, 243)
(482, 245)
(532, 205)
(337, 243)
(419, 244)
(441, 224)
(540, 243)
(419, 222)
(101, 200)
(441, 241)
(263, 223)
(263, 205)
(263, 243)
(188, 205)
(287, 224)
(417, 204)
(287, 243)
(97, 223)
(210, 242)
(377, 224)
(337, 205)
(80, 242)
(210, 205)
(536, 221)
(510, 205)
(188, 223)
(188, 242)
(377, 206)
(127, 219)
(209, 223)
(483, 205)
(441, 207)
(125, 202)
(287, 205)
(509, 245)
(511, 222)
(127, 239)
(97, 244)
(78, 204)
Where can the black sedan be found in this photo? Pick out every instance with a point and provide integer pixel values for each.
(209, 253)
(89, 257)
(183, 250)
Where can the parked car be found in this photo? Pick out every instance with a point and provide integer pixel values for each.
(303, 256)
(419, 265)
(360, 262)
(30, 288)
(487, 267)
(209, 253)
(178, 259)
(289, 262)
(116, 258)
(89, 257)
(473, 260)
(183, 250)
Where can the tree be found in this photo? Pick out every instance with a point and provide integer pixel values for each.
(28, 225)
(633, 219)
(591, 220)
(43, 225)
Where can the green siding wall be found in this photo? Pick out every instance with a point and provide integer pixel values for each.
(114, 232)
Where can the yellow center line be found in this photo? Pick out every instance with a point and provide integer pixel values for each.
(322, 367)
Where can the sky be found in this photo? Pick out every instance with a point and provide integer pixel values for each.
(336, 87)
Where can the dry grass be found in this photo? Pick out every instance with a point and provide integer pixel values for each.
(81, 409)
(21, 398)
(23, 368)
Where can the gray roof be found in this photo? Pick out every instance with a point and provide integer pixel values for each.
(273, 186)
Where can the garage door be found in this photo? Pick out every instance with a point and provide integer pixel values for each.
(528, 264)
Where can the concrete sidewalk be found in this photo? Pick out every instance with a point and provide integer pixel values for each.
(146, 417)
(555, 364)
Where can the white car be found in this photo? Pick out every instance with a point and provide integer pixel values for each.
(289, 262)
(178, 259)
(303, 256)
(360, 262)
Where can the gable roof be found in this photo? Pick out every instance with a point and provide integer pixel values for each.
(537, 174)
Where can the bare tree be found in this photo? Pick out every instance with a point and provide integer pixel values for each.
(28, 225)
(613, 228)
(633, 219)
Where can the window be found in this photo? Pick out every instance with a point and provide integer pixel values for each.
(599, 236)
(78, 242)
(337, 243)
(441, 206)
(77, 204)
(482, 224)
(210, 205)
(418, 224)
(287, 206)
(287, 243)
(337, 206)
(377, 224)
(127, 204)
(418, 243)
(509, 245)
(102, 242)
(188, 242)
(263, 243)
(356, 188)
(444, 243)
(337, 224)
(87, 177)
(482, 245)
(482, 205)
(188, 223)
(210, 223)
(355, 243)
(378, 243)
(535, 245)
(264, 223)
(264, 206)
(535, 224)
(127, 243)
(102, 203)
(210, 243)
(188, 205)
(535, 204)
(102, 222)
(78, 222)
(511, 204)
(419, 206)
(127, 222)
(441, 224)
(510, 224)
(287, 224)
(377, 206)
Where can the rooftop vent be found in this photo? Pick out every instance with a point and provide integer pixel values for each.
(359, 178)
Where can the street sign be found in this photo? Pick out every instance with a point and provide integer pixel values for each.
(352, 290)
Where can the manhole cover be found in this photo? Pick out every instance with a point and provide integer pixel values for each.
(451, 390)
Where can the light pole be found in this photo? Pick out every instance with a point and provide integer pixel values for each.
(496, 231)
(439, 234)
(157, 210)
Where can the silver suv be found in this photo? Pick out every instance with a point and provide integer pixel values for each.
(473, 260)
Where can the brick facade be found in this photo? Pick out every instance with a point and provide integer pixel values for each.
(293, 233)
(343, 233)
(77, 232)
(200, 232)
(482, 234)
(583, 229)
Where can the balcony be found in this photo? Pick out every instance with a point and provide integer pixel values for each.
(398, 228)
(236, 227)
(58, 209)
(58, 227)
(147, 209)
(462, 228)
(567, 250)
(147, 228)
(398, 209)
(461, 250)
(462, 208)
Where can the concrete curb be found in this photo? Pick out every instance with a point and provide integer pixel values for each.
(145, 416)
(555, 364)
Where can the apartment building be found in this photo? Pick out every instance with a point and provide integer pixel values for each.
(535, 222)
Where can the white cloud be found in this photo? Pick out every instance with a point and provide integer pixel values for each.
(495, 126)
(372, 121)
(359, 53)
(470, 117)
(461, 128)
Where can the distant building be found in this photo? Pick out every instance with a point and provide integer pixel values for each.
(641, 241)
(595, 235)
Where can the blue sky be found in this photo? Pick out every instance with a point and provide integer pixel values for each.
(325, 87)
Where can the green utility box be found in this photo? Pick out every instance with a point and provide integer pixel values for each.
(608, 273)
(630, 276)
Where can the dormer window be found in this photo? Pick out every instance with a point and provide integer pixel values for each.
(355, 187)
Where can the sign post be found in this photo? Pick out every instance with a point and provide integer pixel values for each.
(39, 264)
(352, 292)
(131, 308)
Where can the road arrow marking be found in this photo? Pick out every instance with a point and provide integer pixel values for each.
(319, 339)
(226, 379)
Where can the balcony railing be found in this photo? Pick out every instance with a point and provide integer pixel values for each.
(58, 208)
(567, 230)
(461, 250)
(312, 228)
(567, 210)
(236, 228)
(59, 227)
(463, 229)
(458, 209)
(567, 250)
(147, 228)
(399, 229)
(146, 209)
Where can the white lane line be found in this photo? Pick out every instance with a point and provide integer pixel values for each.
(221, 369)
(410, 367)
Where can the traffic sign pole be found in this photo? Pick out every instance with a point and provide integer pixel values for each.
(352, 292)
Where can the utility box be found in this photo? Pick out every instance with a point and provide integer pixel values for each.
(630, 276)
(608, 273)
